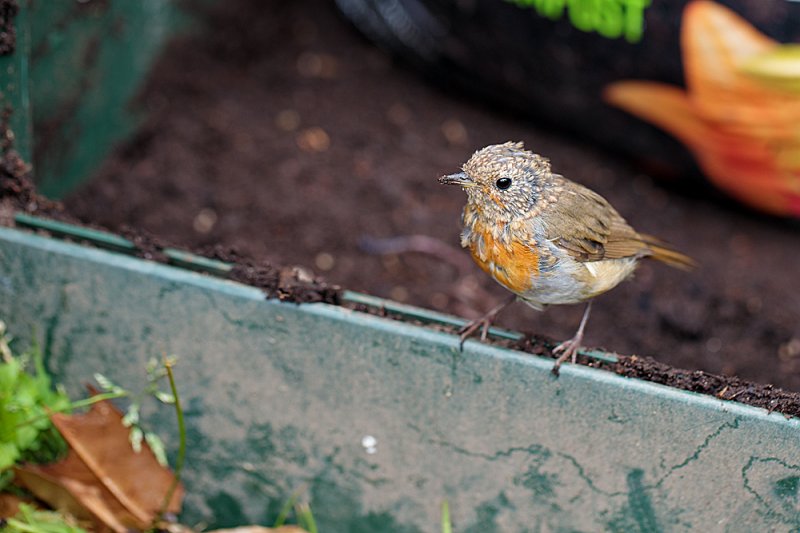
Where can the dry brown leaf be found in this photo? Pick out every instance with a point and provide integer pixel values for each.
(99, 505)
(103, 478)
(36, 477)
(70, 487)
(48, 487)
(9, 505)
(136, 480)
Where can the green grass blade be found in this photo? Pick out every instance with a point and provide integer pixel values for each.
(305, 518)
(447, 526)
(285, 510)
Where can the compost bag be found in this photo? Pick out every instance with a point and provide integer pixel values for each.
(678, 86)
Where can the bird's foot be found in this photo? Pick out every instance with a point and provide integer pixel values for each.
(570, 347)
(569, 350)
(483, 323)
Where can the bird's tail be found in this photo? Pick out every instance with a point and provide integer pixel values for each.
(665, 253)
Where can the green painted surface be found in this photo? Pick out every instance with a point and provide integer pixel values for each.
(15, 89)
(280, 396)
(103, 239)
(88, 60)
(111, 241)
(74, 75)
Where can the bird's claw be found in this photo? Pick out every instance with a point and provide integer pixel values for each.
(484, 322)
(570, 351)
(464, 333)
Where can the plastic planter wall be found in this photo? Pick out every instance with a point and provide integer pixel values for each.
(380, 421)
(70, 81)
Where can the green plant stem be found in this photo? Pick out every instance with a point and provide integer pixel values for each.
(447, 526)
(305, 518)
(286, 509)
(181, 445)
(76, 405)
(94, 399)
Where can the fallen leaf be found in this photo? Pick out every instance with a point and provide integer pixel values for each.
(70, 486)
(137, 480)
(9, 505)
(102, 477)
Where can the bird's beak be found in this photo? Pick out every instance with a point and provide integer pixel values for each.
(459, 178)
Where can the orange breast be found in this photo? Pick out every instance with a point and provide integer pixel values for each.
(514, 265)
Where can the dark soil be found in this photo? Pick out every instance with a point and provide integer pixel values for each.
(17, 190)
(18, 194)
(724, 388)
(8, 34)
(290, 284)
(279, 131)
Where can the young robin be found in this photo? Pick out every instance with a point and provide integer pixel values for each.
(545, 238)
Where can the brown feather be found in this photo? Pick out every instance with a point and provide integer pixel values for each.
(585, 225)
(665, 253)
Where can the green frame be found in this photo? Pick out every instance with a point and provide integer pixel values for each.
(280, 396)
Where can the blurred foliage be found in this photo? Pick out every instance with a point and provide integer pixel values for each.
(30, 520)
(27, 397)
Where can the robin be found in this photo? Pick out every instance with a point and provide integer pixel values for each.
(545, 238)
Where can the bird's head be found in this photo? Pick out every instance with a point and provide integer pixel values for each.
(503, 181)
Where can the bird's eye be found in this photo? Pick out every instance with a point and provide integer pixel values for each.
(503, 183)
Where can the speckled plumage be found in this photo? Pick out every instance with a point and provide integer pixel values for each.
(545, 238)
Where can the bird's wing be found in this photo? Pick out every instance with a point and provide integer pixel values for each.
(585, 225)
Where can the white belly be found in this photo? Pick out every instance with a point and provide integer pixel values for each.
(574, 282)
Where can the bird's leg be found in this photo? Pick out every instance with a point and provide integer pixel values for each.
(483, 322)
(570, 347)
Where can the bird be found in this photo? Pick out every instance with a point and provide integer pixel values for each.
(545, 238)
